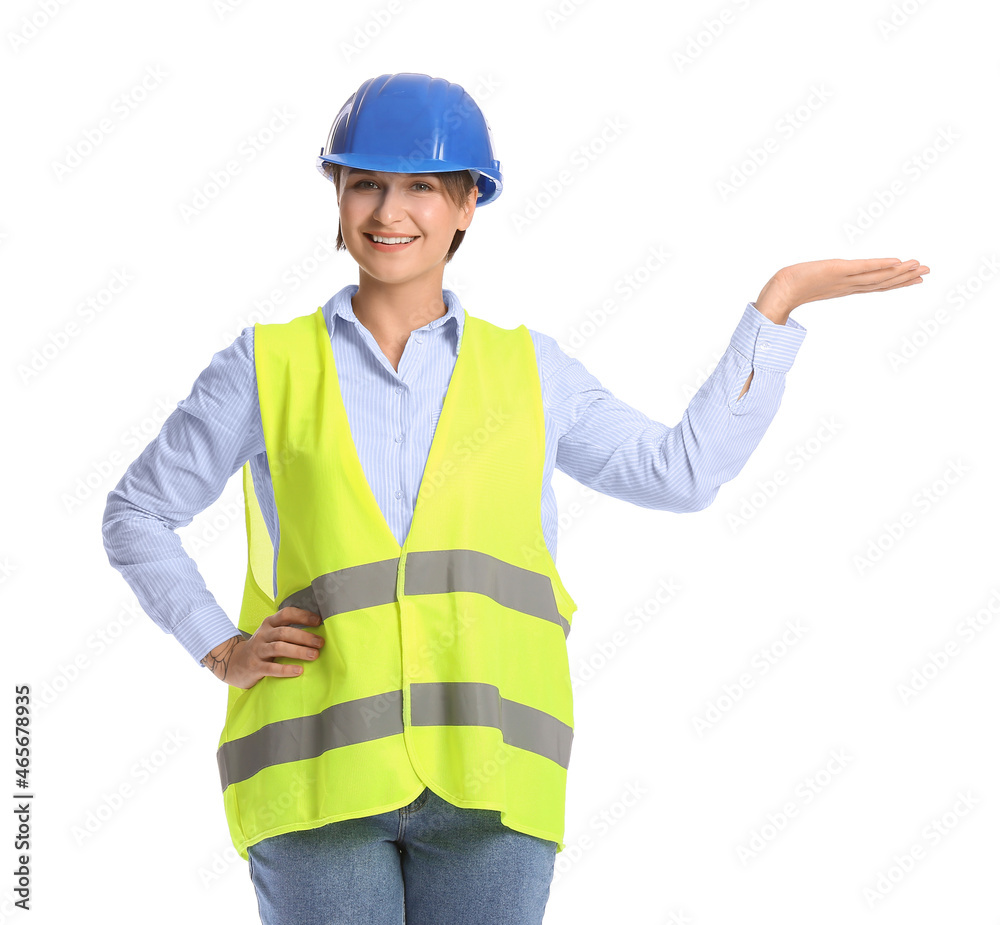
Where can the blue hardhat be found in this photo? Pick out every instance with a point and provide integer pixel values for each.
(413, 123)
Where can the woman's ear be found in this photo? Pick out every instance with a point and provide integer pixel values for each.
(468, 209)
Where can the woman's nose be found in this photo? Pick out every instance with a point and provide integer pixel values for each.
(389, 206)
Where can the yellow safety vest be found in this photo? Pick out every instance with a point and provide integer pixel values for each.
(445, 661)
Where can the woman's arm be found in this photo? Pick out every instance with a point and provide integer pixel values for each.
(828, 279)
(182, 471)
(614, 448)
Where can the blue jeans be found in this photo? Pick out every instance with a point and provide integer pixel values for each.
(443, 864)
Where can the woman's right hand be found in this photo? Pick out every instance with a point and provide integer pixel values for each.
(243, 662)
(816, 280)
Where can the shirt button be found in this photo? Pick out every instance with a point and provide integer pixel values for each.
(399, 389)
(399, 494)
(399, 438)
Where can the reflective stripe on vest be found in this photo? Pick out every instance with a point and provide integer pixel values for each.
(444, 662)
(441, 704)
(432, 572)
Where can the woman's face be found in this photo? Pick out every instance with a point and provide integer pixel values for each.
(399, 205)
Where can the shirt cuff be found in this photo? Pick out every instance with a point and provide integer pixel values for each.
(766, 344)
(203, 630)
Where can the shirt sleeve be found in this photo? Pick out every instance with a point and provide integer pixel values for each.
(182, 471)
(613, 448)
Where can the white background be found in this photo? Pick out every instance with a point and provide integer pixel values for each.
(547, 83)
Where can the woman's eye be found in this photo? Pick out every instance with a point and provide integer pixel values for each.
(361, 184)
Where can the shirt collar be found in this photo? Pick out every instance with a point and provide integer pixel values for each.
(340, 305)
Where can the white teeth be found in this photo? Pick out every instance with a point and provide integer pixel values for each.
(382, 240)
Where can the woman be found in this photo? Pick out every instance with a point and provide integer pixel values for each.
(400, 708)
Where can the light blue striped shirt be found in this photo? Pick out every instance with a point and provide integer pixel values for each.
(590, 435)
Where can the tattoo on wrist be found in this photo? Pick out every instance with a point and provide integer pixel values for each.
(212, 662)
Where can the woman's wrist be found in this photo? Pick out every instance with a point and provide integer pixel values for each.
(775, 302)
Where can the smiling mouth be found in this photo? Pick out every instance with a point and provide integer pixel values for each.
(390, 239)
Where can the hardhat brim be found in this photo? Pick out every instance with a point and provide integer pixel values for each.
(489, 182)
